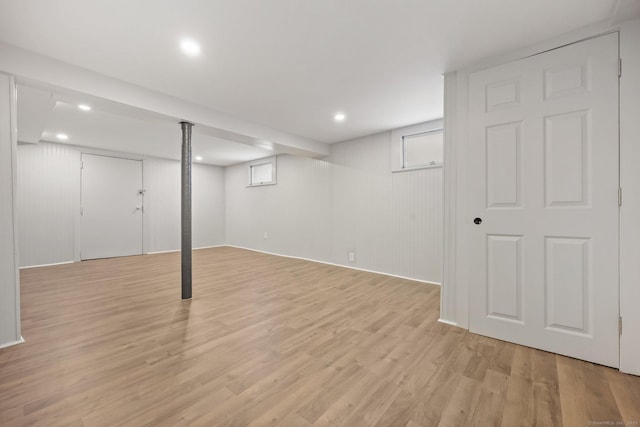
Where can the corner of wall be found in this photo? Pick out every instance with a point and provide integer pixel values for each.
(9, 272)
(448, 290)
(630, 209)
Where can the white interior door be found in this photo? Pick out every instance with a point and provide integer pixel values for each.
(543, 170)
(111, 207)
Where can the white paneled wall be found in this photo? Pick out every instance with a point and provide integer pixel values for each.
(324, 209)
(319, 209)
(392, 221)
(208, 208)
(630, 210)
(361, 186)
(49, 204)
(161, 179)
(9, 282)
(295, 213)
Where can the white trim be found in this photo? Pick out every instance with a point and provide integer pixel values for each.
(77, 221)
(178, 250)
(12, 343)
(208, 247)
(46, 265)
(448, 292)
(163, 252)
(629, 174)
(459, 161)
(574, 36)
(336, 265)
(448, 322)
(146, 253)
(417, 168)
(13, 118)
(264, 252)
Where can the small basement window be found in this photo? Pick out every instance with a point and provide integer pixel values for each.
(262, 172)
(422, 150)
(417, 146)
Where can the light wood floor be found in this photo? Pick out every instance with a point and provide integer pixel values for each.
(275, 341)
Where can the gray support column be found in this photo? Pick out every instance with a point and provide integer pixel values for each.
(186, 209)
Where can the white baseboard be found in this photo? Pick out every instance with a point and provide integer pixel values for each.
(448, 322)
(178, 250)
(269, 253)
(161, 252)
(47, 265)
(336, 265)
(208, 247)
(12, 343)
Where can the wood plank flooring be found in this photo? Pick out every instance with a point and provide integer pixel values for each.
(269, 340)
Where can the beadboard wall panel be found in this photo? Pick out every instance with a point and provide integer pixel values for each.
(348, 202)
(48, 202)
(319, 209)
(416, 224)
(391, 221)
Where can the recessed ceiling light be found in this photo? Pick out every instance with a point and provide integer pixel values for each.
(198, 158)
(62, 136)
(339, 117)
(190, 47)
(84, 107)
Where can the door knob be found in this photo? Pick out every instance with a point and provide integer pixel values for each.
(477, 221)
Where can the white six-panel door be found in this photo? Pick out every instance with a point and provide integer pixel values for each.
(111, 222)
(544, 183)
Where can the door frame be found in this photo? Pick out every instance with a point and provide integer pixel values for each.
(455, 302)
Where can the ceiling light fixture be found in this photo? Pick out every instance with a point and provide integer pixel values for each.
(339, 117)
(84, 107)
(62, 136)
(190, 47)
(198, 158)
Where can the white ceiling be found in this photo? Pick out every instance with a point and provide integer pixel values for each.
(290, 64)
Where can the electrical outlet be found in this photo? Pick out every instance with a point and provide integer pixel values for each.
(352, 256)
(266, 235)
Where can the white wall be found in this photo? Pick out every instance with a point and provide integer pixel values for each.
(162, 205)
(161, 179)
(208, 206)
(630, 210)
(393, 221)
(9, 282)
(49, 204)
(295, 213)
(350, 201)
